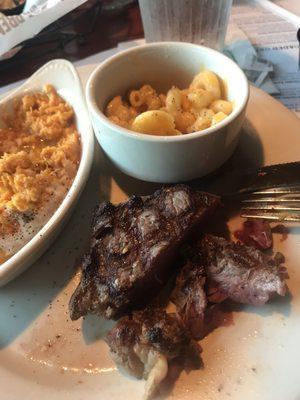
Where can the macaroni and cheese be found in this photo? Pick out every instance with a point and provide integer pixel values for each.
(178, 112)
(39, 156)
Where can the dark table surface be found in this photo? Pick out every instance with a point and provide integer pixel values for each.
(109, 29)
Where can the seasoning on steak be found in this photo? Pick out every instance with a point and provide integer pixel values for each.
(242, 273)
(145, 342)
(255, 233)
(195, 296)
(189, 296)
(215, 270)
(133, 248)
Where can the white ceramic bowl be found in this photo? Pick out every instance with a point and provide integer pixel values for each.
(63, 76)
(165, 158)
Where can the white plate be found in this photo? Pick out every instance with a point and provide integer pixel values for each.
(44, 355)
(63, 76)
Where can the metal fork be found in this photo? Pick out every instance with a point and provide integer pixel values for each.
(274, 204)
(269, 193)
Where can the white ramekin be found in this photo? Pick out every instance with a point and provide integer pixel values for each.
(165, 158)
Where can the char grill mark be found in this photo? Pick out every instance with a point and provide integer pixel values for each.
(145, 342)
(133, 248)
(216, 269)
(242, 273)
(256, 233)
(189, 296)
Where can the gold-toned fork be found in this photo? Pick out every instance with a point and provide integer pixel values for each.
(274, 204)
(270, 192)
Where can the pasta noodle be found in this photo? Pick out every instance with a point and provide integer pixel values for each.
(173, 101)
(200, 98)
(209, 81)
(221, 105)
(218, 117)
(155, 123)
(135, 98)
(180, 111)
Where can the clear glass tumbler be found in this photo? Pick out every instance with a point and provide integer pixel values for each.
(195, 21)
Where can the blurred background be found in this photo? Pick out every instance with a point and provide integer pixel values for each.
(92, 27)
(261, 37)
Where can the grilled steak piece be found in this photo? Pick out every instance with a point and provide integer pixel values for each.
(215, 270)
(242, 273)
(255, 233)
(134, 245)
(189, 296)
(145, 342)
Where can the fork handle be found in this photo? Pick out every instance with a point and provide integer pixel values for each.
(251, 180)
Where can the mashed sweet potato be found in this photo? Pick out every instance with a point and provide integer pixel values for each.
(39, 156)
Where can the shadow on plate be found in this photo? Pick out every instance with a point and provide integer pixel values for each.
(166, 387)
(130, 185)
(248, 154)
(95, 328)
(277, 305)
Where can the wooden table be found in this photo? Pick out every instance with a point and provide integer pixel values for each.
(109, 30)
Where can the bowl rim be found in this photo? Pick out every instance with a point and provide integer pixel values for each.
(11, 267)
(96, 112)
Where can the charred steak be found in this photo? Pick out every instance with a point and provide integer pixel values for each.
(256, 233)
(216, 269)
(189, 296)
(242, 273)
(133, 247)
(145, 342)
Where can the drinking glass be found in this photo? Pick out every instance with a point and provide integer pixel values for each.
(195, 21)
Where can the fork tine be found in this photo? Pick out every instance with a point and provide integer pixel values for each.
(272, 200)
(273, 217)
(271, 207)
(281, 199)
(274, 204)
(279, 190)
